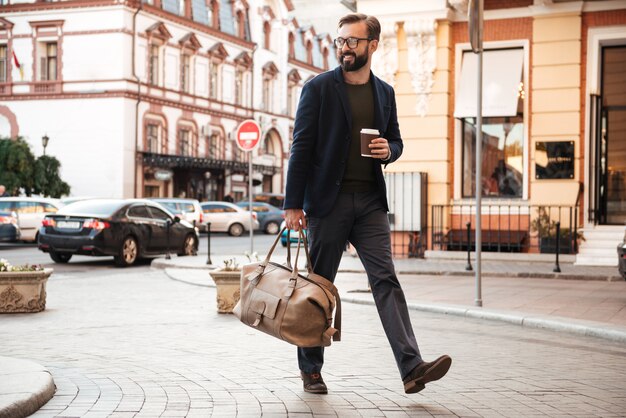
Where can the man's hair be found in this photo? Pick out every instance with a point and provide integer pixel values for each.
(373, 25)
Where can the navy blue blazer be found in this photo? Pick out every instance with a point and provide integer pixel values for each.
(321, 141)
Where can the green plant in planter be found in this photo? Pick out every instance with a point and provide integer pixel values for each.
(546, 228)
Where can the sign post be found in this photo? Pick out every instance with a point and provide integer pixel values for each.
(475, 14)
(248, 137)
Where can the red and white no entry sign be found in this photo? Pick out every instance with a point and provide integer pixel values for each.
(248, 135)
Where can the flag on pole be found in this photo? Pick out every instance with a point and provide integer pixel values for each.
(19, 66)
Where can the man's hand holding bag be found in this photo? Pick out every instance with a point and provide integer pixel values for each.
(296, 308)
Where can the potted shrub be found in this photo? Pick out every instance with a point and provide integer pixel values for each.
(22, 288)
(545, 228)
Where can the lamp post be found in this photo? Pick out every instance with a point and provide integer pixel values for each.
(44, 142)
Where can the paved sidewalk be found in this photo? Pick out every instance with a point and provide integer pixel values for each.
(136, 343)
(585, 301)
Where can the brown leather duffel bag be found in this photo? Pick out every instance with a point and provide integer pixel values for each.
(296, 308)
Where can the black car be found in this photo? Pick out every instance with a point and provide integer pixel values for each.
(124, 229)
(9, 231)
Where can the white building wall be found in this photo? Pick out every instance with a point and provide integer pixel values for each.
(88, 137)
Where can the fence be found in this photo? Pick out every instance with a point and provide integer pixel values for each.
(506, 228)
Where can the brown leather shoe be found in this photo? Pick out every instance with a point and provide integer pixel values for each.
(426, 372)
(313, 383)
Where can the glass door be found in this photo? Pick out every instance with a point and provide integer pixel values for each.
(609, 152)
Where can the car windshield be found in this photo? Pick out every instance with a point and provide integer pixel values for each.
(93, 207)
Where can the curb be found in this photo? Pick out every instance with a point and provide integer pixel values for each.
(554, 323)
(162, 263)
(551, 323)
(25, 387)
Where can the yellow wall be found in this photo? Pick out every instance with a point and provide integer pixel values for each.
(555, 96)
(426, 140)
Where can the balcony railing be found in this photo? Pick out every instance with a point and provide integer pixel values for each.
(506, 228)
(46, 87)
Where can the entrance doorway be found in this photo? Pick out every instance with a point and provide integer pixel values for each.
(608, 151)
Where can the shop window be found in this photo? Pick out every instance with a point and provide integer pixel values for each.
(503, 130)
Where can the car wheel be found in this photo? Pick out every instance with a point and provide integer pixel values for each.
(128, 252)
(61, 258)
(190, 246)
(235, 230)
(272, 228)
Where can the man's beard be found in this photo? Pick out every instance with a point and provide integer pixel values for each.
(357, 63)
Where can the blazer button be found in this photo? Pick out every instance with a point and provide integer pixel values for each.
(337, 182)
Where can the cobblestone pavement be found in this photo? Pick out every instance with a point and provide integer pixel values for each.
(139, 344)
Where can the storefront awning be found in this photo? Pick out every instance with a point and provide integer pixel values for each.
(502, 74)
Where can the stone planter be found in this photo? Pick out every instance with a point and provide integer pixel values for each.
(23, 291)
(228, 284)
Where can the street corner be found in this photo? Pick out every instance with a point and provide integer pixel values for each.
(25, 386)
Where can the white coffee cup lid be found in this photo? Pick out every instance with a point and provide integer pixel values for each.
(369, 131)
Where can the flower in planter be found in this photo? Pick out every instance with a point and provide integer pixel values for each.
(6, 266)
(231, 264)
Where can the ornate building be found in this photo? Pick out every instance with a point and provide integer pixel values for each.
(554, 137)
(142, 98)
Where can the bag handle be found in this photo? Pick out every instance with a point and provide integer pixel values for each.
(309, 265)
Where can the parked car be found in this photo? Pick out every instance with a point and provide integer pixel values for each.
(269, 216)
(125, 229)
(228, 217)
(30, 212)
(187, 209)
(293, 235)
(274, 199)
(9, 231)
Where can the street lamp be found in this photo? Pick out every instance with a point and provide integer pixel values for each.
(44, 142)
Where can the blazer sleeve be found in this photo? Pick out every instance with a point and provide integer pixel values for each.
(302, 148)
(392, 133)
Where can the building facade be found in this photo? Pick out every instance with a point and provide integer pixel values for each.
(554, 120)
(142, 99)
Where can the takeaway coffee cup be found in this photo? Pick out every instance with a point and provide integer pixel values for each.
(366, 137)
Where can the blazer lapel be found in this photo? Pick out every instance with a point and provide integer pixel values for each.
(343, 96)
(379, 95)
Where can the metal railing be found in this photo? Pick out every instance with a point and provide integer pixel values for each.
(506, 228)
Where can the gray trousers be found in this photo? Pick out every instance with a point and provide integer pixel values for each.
(361, 219)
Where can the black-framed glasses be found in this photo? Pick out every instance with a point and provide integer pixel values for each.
(351, 41)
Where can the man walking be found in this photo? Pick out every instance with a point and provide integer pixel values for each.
(343, 193)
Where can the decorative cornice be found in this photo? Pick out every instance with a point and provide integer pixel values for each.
(158, 30)
(191, 42)
(218, 51)
(243, 60)
(294, 76)
(270, 69)
(422, 50)
(386, 61)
